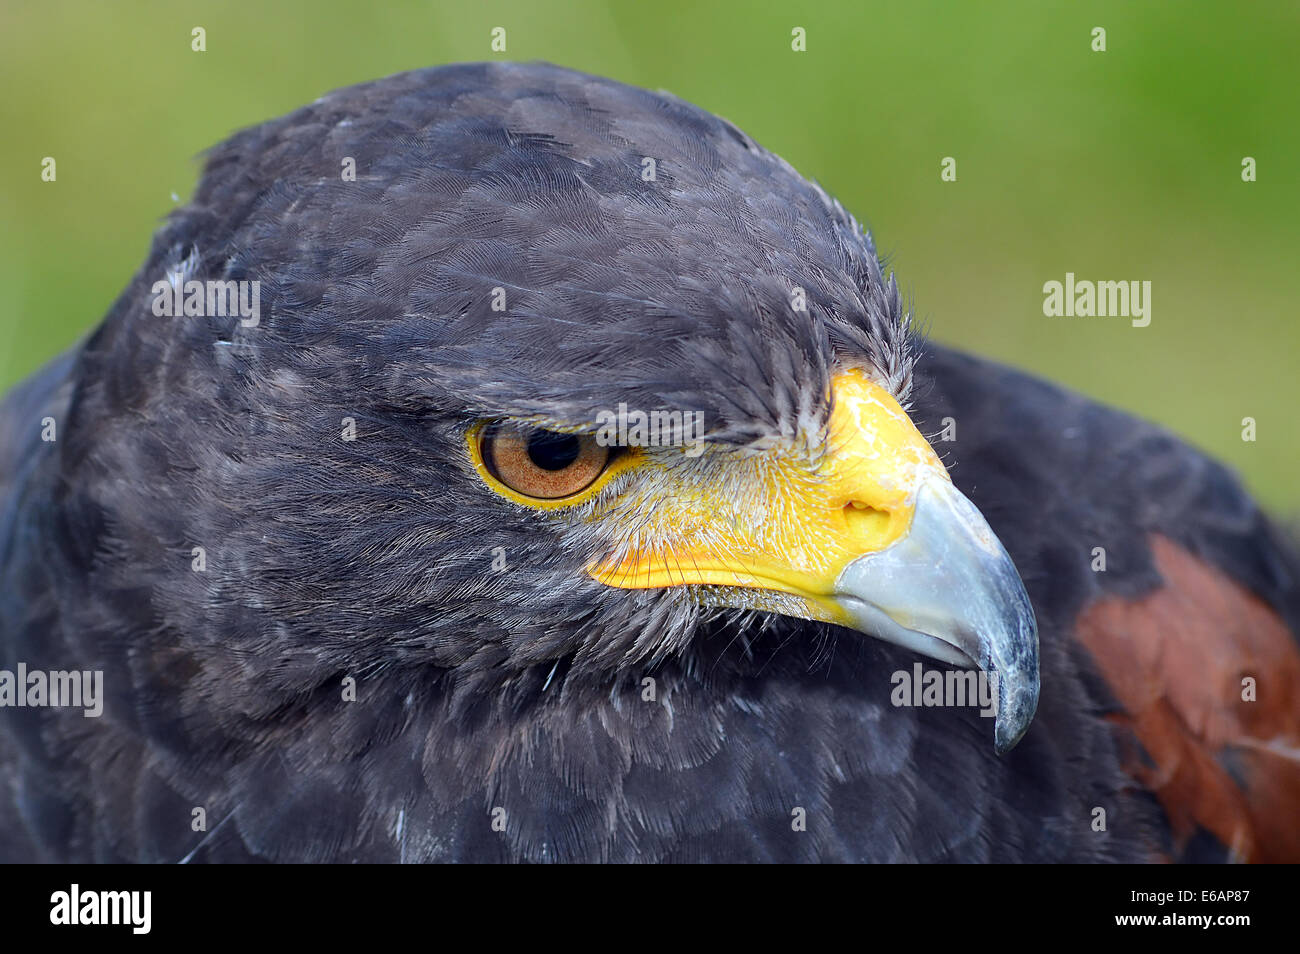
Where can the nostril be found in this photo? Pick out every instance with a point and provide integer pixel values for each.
(862, 518)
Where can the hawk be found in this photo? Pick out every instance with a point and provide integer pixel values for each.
(500, 463)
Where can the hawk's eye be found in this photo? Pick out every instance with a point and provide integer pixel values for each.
(542, 464)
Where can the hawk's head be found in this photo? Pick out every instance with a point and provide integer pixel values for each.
(548, 371)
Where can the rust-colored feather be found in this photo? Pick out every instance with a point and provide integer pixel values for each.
(1177, 660)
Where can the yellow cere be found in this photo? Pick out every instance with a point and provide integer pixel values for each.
(780, 521)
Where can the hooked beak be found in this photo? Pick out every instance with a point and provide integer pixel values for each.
(949, 590)
(871, 535)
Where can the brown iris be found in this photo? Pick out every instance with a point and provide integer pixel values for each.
(543, 464)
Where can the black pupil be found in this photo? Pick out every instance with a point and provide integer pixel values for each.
(552, 451)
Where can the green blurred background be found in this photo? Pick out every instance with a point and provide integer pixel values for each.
(1117, 165)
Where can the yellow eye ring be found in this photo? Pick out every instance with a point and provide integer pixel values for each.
(618, 460)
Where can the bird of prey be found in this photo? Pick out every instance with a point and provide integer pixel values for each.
(577, 489)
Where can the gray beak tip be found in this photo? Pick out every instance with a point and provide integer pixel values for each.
(950, 590)
(1018, 688)
(1010, 727)
(1004, 741)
